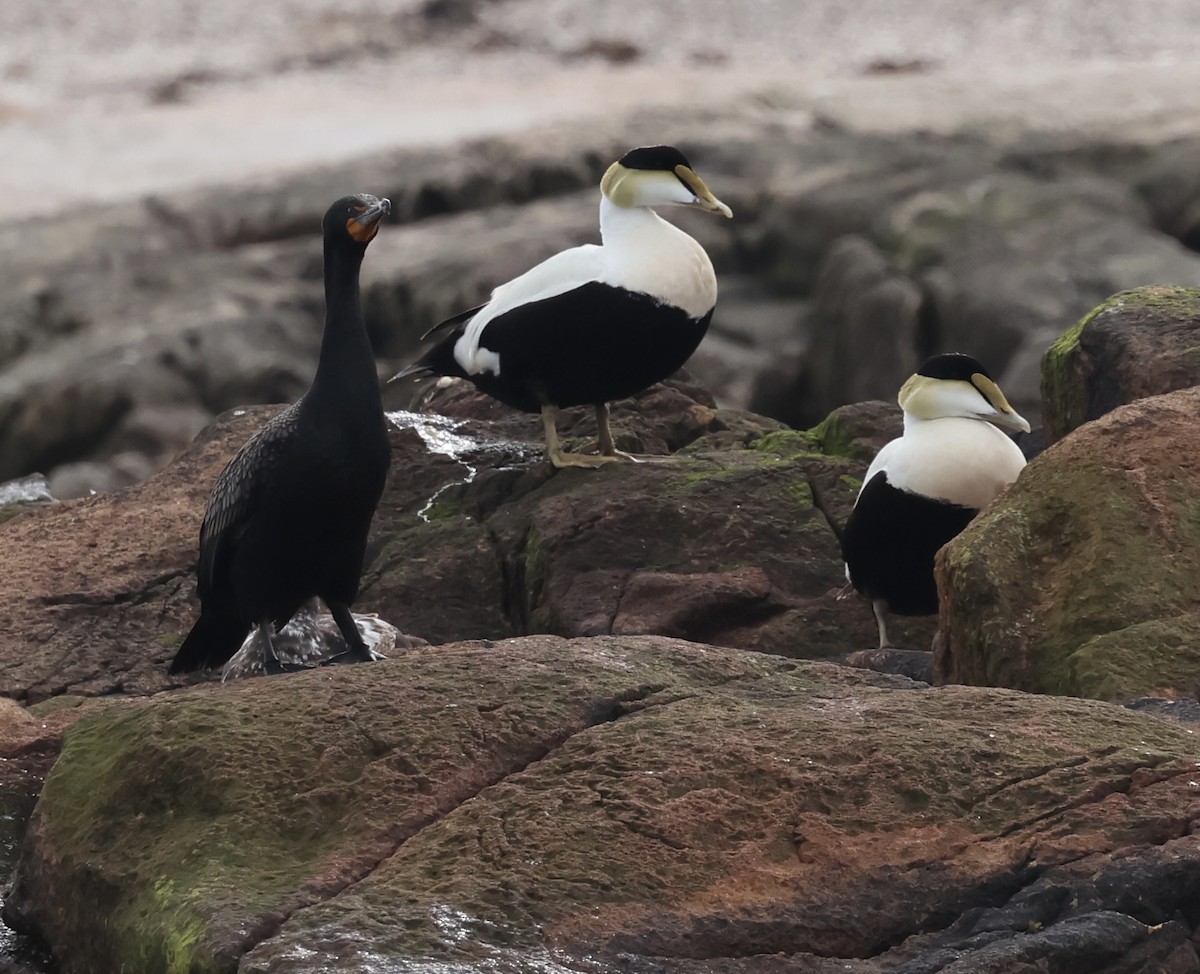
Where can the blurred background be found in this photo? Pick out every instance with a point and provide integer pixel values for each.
(906, 178)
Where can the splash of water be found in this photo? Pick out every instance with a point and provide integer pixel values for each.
(441, 434)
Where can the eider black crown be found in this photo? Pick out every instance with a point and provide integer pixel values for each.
(953, 365)
(664, 157)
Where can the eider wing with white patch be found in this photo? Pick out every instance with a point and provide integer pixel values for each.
(556, 275)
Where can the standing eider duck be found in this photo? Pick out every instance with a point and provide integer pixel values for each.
(597, 322)
(924, 487)
(288, 518)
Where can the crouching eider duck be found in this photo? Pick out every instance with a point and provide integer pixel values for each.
(923, 488)
(596, 322)
(289, 515)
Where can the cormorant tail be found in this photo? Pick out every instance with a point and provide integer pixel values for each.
(212, 642)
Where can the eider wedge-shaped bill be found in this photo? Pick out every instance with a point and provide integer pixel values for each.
(704, 197)
(365, 225)
(1005, 414)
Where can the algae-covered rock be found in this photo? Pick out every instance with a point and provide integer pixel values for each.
(716, 538)
(1138, 343)
(1084, 576)
(602, 805)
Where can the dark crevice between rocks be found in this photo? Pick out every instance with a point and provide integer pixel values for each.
(822, 506)
(602, 711)
(1097, 793)
(147, 594)
(516, 603)
(986, 794)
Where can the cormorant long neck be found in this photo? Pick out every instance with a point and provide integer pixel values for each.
(347, 362)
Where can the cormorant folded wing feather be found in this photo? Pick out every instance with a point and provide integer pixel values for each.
(236, 495)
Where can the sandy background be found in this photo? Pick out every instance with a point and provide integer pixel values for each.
(104, 101)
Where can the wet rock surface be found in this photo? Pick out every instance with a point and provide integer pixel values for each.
(715, 538)
(614, 804)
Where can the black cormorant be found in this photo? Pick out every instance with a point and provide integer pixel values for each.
(924, 487)
(596, 322)
(289, 515)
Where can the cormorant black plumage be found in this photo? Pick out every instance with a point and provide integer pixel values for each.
(289, 516)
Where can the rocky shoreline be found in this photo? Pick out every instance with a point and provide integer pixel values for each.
(649, 735)
(643, 758)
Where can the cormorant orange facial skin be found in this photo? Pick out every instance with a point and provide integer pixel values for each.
(289, 516)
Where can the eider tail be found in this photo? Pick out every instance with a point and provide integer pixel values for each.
(439, 360)
(213, 640)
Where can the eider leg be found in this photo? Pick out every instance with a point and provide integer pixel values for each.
(604, 437)
(880, 608)
(606, 447)
(554, 451)
(358, 651)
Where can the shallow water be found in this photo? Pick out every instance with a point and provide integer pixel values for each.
(18, 794)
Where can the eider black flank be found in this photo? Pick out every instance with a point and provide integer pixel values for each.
(952, 365)
(289, 515)
(664, 157)
(890, 541)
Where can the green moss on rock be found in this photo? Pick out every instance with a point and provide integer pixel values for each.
(1078, 579)
(1064, 399)
(785, 443)
(1164, 653)
(453, 806)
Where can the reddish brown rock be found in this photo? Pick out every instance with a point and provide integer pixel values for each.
(1084, 577)
(1139, 343)
(476, 537)
(612, 804)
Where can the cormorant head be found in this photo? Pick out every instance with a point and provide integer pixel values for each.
(355, 216)
(658, 175)
(957, 385)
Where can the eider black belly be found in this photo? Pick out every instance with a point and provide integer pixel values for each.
(590, 345)
(890, 541)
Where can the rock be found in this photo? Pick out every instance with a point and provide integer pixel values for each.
(869, 316)
(958, 252)
(100, 591)
(476, 537)
(1138, 343)
(127, 327)
(613, 804)
(1081, 578)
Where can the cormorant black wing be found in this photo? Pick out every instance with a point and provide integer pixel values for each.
(237, 494)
